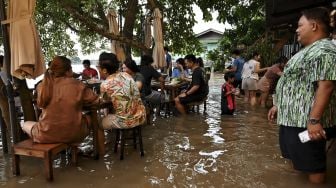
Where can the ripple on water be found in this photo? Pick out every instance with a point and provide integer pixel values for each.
(154, 180)
(214, 133)
(203, 164)
(213, 154)
(185, 145)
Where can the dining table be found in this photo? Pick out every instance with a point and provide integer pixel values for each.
(172, 88)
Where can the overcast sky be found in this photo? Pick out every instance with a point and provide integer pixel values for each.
(202, 26)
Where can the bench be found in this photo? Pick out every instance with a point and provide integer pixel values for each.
(44, 151)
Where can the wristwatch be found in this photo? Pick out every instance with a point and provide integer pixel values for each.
(313, 121)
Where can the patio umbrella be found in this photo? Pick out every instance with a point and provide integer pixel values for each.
(158, 51)
(26, 54)
(148, 32)
(116, 47)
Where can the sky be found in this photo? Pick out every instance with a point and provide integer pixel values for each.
(199, 27)
(202, 26)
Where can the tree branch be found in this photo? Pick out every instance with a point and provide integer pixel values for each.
(93, 27)
(101, 13)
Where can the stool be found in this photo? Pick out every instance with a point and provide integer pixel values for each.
(197, 103)
(44, 151)
(121, 137)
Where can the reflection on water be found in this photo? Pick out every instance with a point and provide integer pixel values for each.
(200, 150)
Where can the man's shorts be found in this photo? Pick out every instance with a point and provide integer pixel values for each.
(237, 83)
(250, 84)
(191, 98)
(309, 157)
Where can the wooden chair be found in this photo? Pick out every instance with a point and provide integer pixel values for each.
(47, 152)
(123, 134)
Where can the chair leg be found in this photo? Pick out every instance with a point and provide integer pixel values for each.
(197, 107)
(140, 141)
(134, 131)
(74, 156)
(117, 140)
(122, 144)
(205, 105)
(48, 163)
(16, 165)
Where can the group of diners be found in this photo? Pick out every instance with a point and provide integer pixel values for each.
(127, 87)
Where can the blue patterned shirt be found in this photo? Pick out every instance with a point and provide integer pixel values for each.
(295, 90)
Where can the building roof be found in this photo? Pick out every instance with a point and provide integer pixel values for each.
(208, 31)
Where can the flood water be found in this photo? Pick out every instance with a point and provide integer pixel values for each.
(200, 150)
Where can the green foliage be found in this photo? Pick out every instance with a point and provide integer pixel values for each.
(264, 48)
(217, 58)
(58, 25)
(247, 20)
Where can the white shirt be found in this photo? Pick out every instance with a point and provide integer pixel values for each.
(249, 70)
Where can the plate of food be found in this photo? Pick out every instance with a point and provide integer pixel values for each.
(93, 81)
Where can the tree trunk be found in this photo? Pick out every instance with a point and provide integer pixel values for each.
(130, 14)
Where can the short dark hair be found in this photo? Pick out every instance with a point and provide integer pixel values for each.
(86, 62)
(130, 64)
(255, 54)
(190, 57)
(321, 15)
(181, 62)
(146, 60)
(228, 75)
(236, 52)
(200, 62)
(166, 48)
(109, 62)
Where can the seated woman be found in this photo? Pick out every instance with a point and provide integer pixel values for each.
(132, 69)
(180, 71)
(61, 98)
(268, 82)
(122, 90)
(148, 71)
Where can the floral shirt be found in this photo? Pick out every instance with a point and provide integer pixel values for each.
(125, 97)
(295, 90)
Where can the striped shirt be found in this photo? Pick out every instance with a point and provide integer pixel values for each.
(295, 90)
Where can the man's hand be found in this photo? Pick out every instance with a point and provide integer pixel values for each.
(272, 113)
(316, 132)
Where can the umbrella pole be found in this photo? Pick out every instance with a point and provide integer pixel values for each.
(8, 83)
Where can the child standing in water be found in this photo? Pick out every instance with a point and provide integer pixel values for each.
(228, 102)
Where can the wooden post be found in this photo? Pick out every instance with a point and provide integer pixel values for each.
(8, 82)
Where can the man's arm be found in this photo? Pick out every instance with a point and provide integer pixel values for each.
(322, 96)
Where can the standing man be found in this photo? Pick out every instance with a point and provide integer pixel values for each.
(236, 68)
(305, 97)
(198, 88)
(168, 61)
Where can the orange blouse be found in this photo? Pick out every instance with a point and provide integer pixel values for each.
(61, 121)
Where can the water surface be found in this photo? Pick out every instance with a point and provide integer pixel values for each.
(200, 150)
